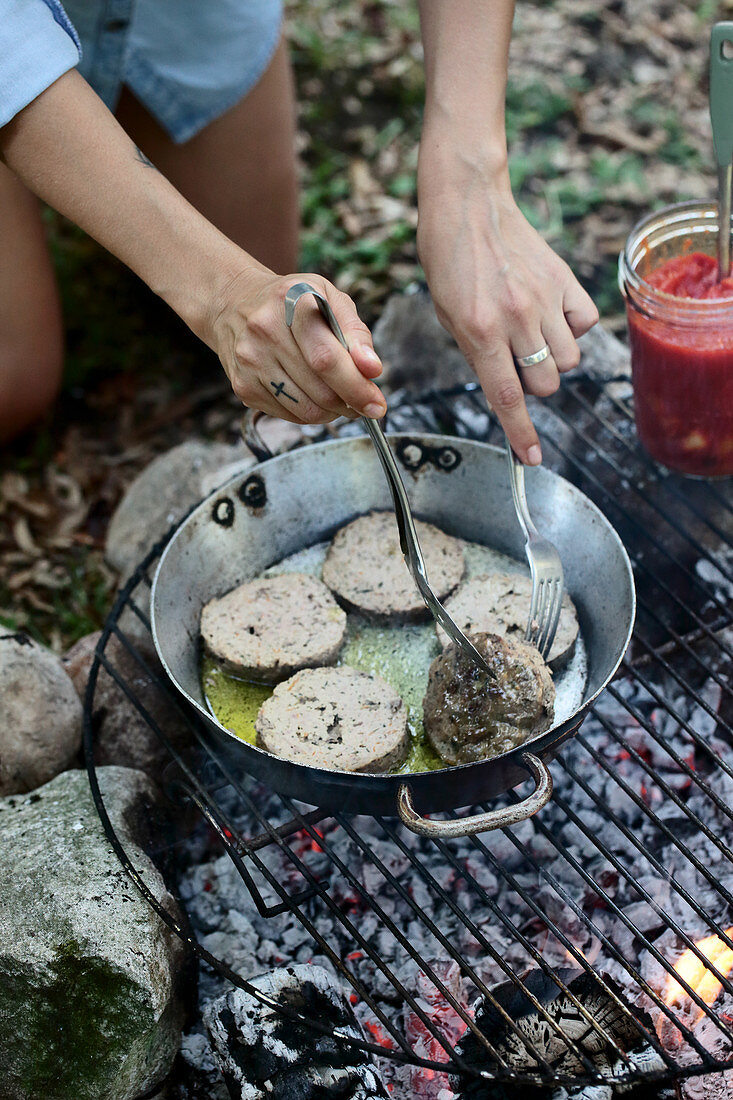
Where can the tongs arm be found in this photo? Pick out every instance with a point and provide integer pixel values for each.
(409, 542)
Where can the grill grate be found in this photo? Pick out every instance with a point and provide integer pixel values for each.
(626, 867)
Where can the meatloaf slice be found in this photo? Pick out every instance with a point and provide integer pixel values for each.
(266, 629)
(498, 603)
(365, 568)
(335, 718)
(468, 716)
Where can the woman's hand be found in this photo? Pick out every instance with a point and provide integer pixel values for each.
(301, 374)
(497, 287)
(501, 292)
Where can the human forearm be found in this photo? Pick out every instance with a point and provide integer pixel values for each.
(68, 149)
(466, 45)
(497, 286)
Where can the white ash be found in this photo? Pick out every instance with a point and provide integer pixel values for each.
(263, 1052)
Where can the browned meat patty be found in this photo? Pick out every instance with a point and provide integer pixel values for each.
(498, 603)
(468, 716)
(365, 568)
(335, 718)
(266, 629)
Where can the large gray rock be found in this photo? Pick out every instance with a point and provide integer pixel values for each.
(121, 734)
(416, 351)
(40, 715)
(263, 1053)
(418, 354)
(89, 1002)
(164, 492)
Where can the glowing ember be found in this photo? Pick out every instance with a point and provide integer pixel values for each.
(696, 974)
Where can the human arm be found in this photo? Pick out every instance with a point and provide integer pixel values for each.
(498, 288)
(68, 149)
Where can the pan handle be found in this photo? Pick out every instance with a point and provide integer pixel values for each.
(481, 823)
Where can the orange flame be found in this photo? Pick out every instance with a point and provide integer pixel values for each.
(697, 975)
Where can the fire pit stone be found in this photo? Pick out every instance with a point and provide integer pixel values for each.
(122, 736)
(40, 715)
(162, 494)
(89, 975)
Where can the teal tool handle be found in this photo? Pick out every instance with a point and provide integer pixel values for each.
(721, 91)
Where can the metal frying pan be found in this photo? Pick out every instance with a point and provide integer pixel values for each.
(301, 498)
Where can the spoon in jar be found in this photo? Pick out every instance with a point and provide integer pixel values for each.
(721, 117)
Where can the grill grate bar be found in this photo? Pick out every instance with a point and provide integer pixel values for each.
(321, 942)
(481, 939)
(322, 893)
(511, 926)
(616, 909)
(643, 495)
(670, 647)
(638, 759)
(445, 943)
(632, 879)
(653, 655)
(682, 764)
(610, 947)
(666, 482)
(678, 640)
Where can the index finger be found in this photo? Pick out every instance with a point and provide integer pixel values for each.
(501, 385)
(330, 361)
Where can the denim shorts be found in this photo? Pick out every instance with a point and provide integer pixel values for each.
(187, 61)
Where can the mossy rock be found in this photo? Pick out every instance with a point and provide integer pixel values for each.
(90, 1007)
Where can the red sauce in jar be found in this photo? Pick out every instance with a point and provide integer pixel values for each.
(692, 276)
(683, 370)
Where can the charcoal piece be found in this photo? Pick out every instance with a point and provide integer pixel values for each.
(536, 1034)
(265, 1054)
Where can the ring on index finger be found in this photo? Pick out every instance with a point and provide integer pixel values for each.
(533, 359)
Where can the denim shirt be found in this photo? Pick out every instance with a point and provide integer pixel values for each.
(38, 44)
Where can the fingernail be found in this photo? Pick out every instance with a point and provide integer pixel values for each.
(370, 354)
(534, 455)
(374, 410)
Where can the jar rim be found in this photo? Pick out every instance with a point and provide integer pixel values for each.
(629, 277)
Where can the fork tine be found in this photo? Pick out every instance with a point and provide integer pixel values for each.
(532, 620)
(552, 615)
(545, 594)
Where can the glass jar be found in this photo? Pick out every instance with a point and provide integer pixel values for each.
(681, 348)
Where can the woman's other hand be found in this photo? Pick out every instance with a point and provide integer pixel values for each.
(502, 293)
(498, 288)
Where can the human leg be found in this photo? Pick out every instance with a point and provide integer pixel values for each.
(31, 333)
(240, 170)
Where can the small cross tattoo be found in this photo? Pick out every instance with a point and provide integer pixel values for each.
(280, 389)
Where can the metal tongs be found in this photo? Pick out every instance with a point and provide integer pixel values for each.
(409, 542)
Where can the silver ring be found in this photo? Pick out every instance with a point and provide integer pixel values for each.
(534, 359)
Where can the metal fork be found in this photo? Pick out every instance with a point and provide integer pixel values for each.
(409, 542)
(544, 563)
